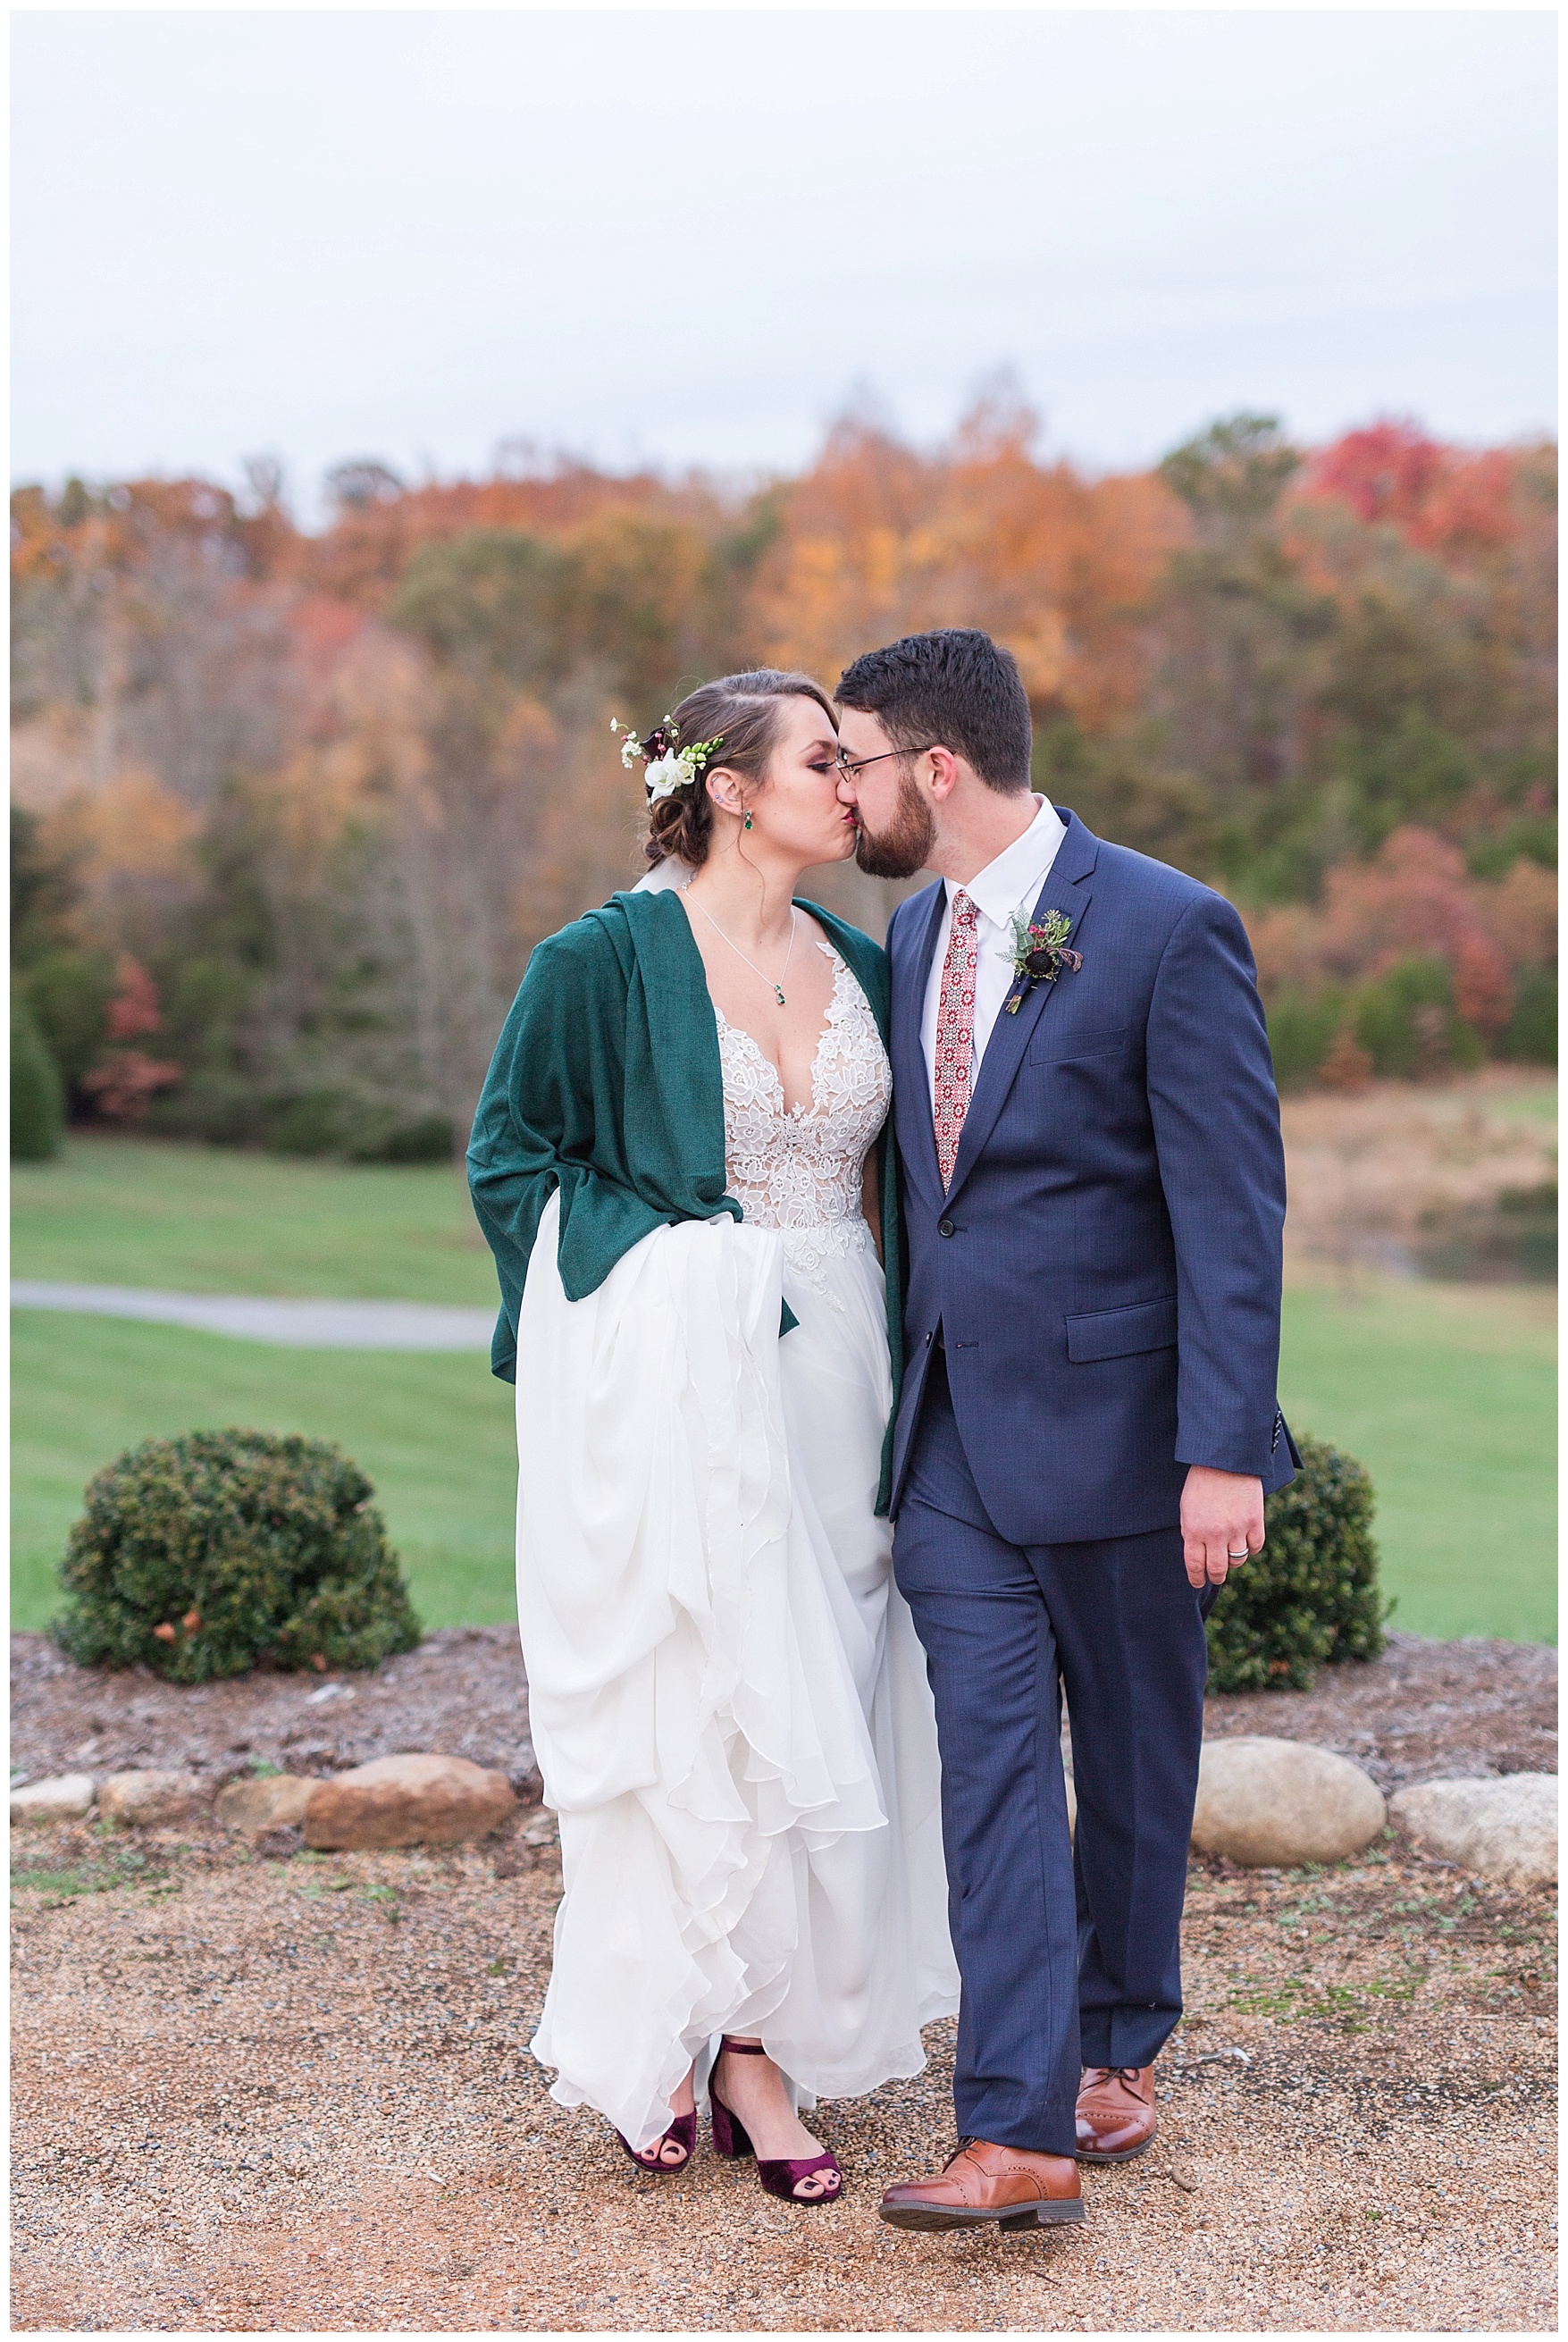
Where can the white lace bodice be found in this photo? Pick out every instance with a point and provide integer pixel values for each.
(800, 1171)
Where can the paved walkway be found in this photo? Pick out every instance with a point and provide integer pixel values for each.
(289, 1325)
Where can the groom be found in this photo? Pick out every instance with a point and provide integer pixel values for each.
(1094, 1192)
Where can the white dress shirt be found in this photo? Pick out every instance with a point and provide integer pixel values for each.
(1011, 883)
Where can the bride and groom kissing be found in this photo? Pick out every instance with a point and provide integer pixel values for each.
(895, 1338)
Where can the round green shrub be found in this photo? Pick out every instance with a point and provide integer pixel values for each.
(69, 993)
(213, 1553)
(1407, 1023)
(429, 1138)
(1531, 1035)
(37, 1093)
(1312, 1595)
(311, 1123)
(1301, 1031)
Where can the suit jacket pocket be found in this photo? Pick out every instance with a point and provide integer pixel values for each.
(1121, 1333)
(1051, 1046)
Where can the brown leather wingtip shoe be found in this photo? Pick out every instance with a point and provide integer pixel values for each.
(983, 2182)
(1117, 2118)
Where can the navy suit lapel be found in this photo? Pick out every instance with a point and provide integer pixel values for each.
(1066, 889)
(922, 926)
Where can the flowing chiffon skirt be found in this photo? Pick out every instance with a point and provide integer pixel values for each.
(728, 1701)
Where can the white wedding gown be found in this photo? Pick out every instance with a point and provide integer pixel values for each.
(728, 1701)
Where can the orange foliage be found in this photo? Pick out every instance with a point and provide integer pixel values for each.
(115, 533)
(875, 540)
(133, 828)
(878, 541)
(360, 558)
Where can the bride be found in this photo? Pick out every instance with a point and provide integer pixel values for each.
(681, 1164)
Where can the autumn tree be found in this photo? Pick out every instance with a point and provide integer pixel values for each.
(325, 789)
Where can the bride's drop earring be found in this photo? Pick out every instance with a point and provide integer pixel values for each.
(748, 821)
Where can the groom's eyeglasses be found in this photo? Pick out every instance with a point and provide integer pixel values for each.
(849, 766)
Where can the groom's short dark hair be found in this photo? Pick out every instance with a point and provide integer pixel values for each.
(954, 688)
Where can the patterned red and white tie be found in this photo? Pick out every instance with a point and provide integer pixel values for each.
(954, 1056)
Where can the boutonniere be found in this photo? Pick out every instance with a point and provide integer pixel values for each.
(1039, 953)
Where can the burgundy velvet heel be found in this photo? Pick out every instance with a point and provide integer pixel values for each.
(779, 2174)
(731, 2139)
(682, 2131)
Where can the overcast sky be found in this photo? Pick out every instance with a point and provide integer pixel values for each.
(697, 236)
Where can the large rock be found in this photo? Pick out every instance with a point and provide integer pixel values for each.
(144, 1797)
(1283, 1801)
(408, 1801)
(274, 1802)
(1505, 1829)
(66, 1798)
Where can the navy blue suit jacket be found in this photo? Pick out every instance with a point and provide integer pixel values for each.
(1106, 1265)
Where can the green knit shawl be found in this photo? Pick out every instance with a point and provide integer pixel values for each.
(606, 1083)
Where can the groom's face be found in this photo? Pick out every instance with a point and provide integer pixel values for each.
(897, 828)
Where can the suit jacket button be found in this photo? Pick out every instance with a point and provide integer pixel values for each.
(945, 1227)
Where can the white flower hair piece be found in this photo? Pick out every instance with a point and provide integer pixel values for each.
(665, 768)
(631, 747)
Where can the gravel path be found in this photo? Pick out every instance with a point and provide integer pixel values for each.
(286, 2092)
(288, 1325)
(290, 2095)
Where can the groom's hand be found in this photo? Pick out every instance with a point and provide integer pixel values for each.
(1221, 1522)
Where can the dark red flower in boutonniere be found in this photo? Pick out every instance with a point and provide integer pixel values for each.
(1039, 953)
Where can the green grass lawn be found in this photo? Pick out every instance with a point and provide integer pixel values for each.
(1448, 1394)
(199, 1219)
(1521, 1097)
(435, 1434)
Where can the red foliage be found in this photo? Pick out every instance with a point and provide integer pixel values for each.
(134, 1008)
(1482, 990)
(1348, 1067)
(1446, 501)
(125, 1083)
(1417, 897)
(323, 628)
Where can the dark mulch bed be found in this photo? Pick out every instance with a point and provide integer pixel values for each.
(461, 1692)
(1424, 1708)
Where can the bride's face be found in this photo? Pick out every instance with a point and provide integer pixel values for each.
(797, 813)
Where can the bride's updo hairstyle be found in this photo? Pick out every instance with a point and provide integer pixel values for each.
(740, 712)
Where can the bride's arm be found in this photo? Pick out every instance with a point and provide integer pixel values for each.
(541, 1123)
(519, 1135)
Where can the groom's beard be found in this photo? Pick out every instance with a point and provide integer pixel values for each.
(904, 847)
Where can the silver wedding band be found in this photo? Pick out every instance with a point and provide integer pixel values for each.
(1246, 1555)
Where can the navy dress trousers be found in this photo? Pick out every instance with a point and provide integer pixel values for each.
(1093, 1306)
